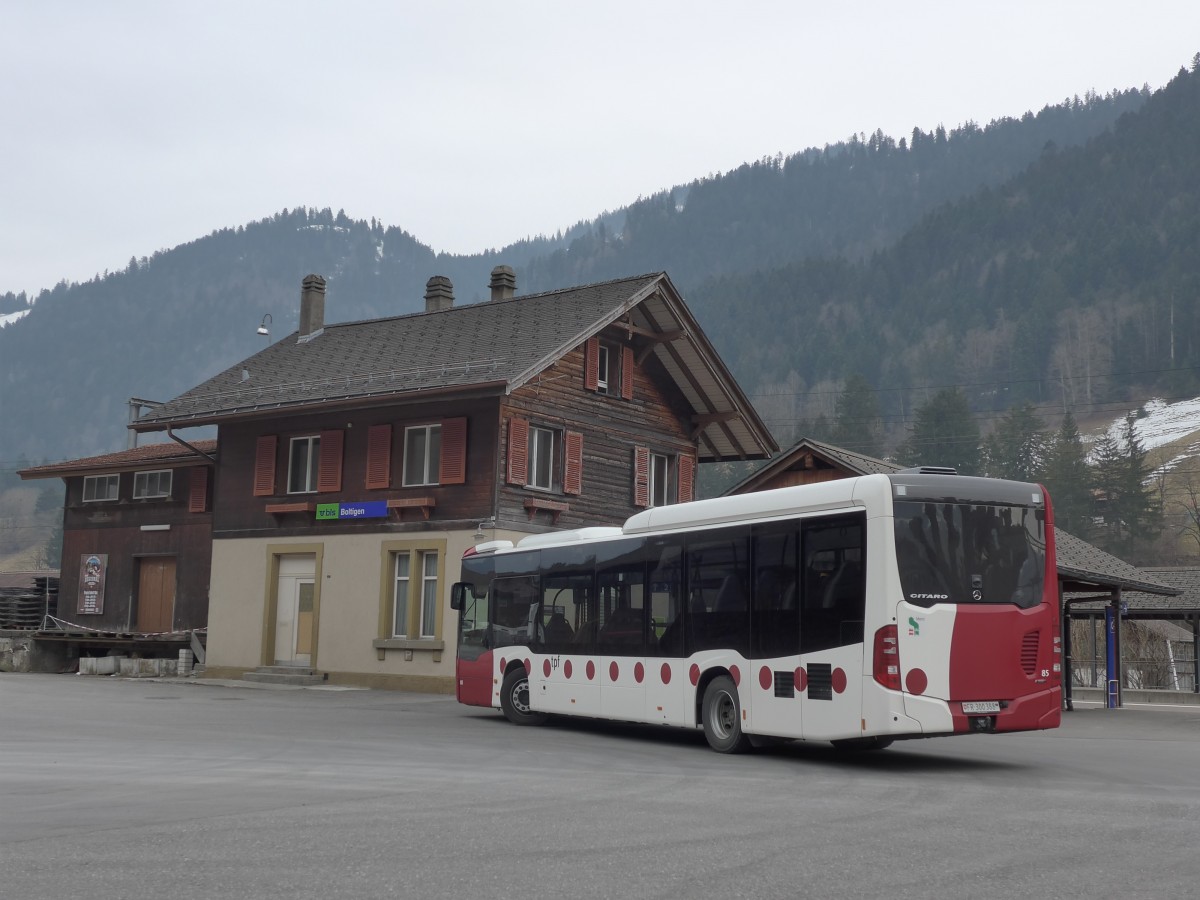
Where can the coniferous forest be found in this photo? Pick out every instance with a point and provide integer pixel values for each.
(968, 292)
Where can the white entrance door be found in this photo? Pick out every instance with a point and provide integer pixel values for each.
(294, 610)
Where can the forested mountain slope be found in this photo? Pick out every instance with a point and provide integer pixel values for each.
(166, 322)
(1076, 282)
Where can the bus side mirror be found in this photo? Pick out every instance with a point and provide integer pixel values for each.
(458, 594)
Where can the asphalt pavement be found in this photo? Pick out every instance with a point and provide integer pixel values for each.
(116, 787)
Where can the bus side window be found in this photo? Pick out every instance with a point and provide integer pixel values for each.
(666, 603)
(515, 611)
(775, 613)
(834, 584)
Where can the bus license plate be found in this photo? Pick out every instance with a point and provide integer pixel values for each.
(980, 706)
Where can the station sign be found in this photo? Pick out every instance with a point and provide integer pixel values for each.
(367, 509)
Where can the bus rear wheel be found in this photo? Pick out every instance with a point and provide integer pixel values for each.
(514, 699)
(722, 716)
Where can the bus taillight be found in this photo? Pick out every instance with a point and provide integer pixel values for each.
(887, 657)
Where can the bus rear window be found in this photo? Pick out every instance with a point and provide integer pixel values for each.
(965, 553)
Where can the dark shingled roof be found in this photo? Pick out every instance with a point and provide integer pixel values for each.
(1082, 566)
(167, 454)
(857, 463)
(1184, 581)
(495, 346)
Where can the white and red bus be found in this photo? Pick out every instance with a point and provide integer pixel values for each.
(857, 611)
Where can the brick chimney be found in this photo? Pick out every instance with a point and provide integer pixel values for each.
(312, 306)
(439, 293)
(504, 283)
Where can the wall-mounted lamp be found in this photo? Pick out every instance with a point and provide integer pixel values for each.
(486, 523)
(262, 329)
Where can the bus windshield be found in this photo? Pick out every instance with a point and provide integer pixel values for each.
(970, 553)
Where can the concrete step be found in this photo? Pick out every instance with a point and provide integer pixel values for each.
(293, 675)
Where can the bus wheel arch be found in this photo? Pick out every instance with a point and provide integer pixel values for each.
(514, 698)
(721, 716)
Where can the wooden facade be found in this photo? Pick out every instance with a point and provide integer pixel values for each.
(154, 552)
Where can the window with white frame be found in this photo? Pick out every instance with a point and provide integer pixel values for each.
(152, 484)
(415, 594)
(401, 591)
(422, 454)
(543, 457)
(304, 457)
(603, 374)
(660, 479)
(100, 487)
(429, 594)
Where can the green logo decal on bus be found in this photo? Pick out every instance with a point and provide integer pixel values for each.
(915, 626)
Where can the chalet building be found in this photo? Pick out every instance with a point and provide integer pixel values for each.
(359, 461)
(810, 462)
(137, 543)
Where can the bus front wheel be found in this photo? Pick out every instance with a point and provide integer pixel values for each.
(514, 699)
(722, 716)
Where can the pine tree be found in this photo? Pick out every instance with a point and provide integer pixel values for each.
(1016, 448)
(944, 433)
(1069, 479)
(856, 420)
(1132, 517)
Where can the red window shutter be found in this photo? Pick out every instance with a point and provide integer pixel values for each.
(626, 373)
(687, 478)
(591, 363)
(198, 490)
(452, 468)
(329, 475)
(264, 466)
(573, 468)
(641, 476)
(379, 456)
(518, 450)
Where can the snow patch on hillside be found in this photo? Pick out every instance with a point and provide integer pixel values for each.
(1163, 422)
(9, 318)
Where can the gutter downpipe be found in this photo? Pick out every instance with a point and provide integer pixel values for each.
(177, 439)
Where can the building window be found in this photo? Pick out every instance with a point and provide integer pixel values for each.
(414, 594)
(100, 487)
(660, 479)
(152, 484)
(429, 594)
(603, 356)
(400, 595)
(542, 457)
(303, 464)
(422, 454)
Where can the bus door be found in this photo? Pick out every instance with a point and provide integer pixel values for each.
(666, 666)
(832, 611)
(566, 681)
(474, 666)
(775, 630)
(621, 628)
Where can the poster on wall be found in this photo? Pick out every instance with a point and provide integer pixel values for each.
(92, 569)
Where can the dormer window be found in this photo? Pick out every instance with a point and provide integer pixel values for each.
(608, 368)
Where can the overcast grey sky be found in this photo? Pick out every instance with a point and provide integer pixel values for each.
(130, 127)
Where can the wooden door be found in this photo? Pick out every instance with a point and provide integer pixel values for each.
(156, 595)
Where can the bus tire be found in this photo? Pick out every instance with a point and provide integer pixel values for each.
(514, 699)
(862, 745)
(722, 717)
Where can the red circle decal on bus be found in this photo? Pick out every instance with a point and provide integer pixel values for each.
(567, 668)
(694, 674)
(665, 673)
(839, 681)
(639, 672)
(591, 670)
(801, 678)
(764, 678)
(916, 681)
(503, 665)
(546, 667)
(528, 667)
(613, 671)
(736, 674)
